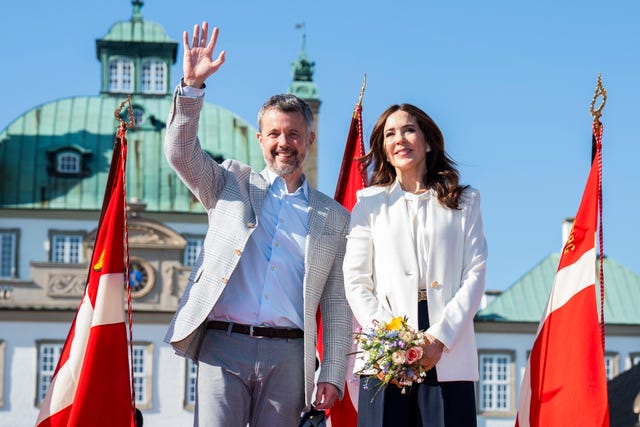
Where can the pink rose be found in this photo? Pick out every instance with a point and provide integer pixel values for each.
(414, 354)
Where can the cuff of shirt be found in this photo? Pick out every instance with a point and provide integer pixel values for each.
(191, 92)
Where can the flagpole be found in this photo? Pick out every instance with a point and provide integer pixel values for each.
(596, 155)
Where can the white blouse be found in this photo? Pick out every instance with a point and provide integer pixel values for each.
(417, 212)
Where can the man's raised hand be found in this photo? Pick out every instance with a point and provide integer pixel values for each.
(198, 63)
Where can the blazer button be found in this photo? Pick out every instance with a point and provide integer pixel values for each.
(238, 252)
(251, 225)
(224, 280)
(435, 284)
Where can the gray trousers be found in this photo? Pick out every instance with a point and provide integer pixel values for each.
(244, 380)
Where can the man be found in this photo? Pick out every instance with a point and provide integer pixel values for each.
(273, 253)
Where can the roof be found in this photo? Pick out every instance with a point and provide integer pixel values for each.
(86, 124)
(526, 299)
(137, 30)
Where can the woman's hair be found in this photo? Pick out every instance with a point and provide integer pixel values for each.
(442, 174)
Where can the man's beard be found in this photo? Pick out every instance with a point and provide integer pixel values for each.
(285, 169)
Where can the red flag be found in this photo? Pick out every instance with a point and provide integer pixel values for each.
(352, 175)
(352, 178)
(91, 385)
(565, 382)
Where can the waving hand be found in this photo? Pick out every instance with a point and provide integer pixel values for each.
(198, 63)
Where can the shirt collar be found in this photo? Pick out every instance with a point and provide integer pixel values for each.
(279, 185)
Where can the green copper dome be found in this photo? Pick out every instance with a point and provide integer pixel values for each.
(137, 30)
(83, 128)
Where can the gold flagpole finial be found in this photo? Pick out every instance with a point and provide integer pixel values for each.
(116, 114)
(596, 113)
(364, 84)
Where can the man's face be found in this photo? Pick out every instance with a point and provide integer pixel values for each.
(284, 139)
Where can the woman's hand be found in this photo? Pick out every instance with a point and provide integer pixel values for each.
(198, 63)
(432, 352)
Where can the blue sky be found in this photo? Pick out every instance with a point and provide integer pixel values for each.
(509, 82)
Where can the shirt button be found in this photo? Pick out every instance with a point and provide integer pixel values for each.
(273, 268)
(276, 244)
(435, 284)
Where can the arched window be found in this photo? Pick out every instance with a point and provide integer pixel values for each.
(68, 162)
(120, 75)
(154, 76)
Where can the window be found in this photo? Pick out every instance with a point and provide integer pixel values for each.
(68, 163)
(190, 384)
(192, 250)
(66, 248)
(2, 346)
(8, 249)
(497, 382)
(48, 355)
(611, 365)
(154, 76)
(635, 359)
(120, 75)
(142, 374)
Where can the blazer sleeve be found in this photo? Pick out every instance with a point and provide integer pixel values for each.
(199, 172)
(358, 269)
(336, 321)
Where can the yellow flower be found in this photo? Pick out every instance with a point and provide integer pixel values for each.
(395, 324)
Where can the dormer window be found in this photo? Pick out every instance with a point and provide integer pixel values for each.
(121, 75)
(154, 76)
(70, 161)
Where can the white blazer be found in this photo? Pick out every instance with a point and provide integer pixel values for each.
(381, 271)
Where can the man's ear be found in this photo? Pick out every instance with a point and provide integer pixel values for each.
(259, 137)
(312, 138)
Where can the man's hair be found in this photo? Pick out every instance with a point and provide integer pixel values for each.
(287, 103)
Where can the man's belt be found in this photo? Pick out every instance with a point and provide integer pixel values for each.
(255, 331)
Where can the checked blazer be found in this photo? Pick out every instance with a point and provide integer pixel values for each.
(232, 194)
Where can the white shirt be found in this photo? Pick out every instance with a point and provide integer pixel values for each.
(417, 211)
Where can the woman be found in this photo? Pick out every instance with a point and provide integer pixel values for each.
(416, 248)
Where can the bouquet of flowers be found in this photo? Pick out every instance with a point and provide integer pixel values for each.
(392, 352)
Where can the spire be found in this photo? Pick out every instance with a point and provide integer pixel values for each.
(302, 71)
(137, 10)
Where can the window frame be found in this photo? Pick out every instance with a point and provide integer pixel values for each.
(13, 262)
(3, 346)
(117, 74)
(190, 377)
(145, 400)
(199, 238)
(510, 384)
(67, 252)
(153, 84)
(61, 161)
(58, 344)
(614, 357)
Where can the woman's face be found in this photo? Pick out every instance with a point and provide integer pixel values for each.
(404, 144)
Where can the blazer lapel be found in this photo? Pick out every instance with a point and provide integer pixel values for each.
(317, 220)
(258, 186)
(400, 229)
